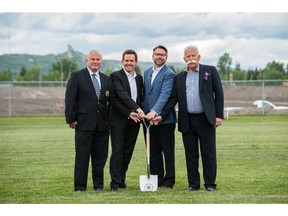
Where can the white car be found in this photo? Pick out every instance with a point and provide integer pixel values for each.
(268, 105)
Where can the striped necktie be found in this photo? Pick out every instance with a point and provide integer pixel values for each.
(96, 85)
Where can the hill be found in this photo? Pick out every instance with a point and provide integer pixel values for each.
(14, 62)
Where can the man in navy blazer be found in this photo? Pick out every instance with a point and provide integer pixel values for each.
(158, 84)
(198, 91)
(89, 115)
(125, 120)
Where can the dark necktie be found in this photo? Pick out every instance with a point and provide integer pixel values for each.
(96, 85)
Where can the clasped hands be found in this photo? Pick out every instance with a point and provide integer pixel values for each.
(139, 116)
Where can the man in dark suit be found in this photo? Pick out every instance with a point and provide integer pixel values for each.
(125, 117)
(158, 84)
(89, 115)
(198, 91)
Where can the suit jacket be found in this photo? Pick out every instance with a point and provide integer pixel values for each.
(82, 104)
(157, 94)
(211, 96)
(122, 103)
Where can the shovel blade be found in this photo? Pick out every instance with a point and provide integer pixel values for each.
(148, 184)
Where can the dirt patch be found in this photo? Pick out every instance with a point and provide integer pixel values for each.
(32, 100)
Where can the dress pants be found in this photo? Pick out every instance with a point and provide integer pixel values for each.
(200, 131)
(88, 144)
(162, 143)
(123, 144)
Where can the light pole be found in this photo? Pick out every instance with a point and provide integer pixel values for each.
(61, 72)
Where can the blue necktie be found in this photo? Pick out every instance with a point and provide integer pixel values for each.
(96, 85)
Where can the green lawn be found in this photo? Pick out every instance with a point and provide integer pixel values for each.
(37, 161)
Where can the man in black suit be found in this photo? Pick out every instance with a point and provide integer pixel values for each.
(89, 115)
(125, 117)
(198, 91)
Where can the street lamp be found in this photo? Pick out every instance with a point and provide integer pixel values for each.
(61, 72)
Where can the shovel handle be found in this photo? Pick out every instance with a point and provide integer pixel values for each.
(148, 144)
(148, 153)
(147, 125)
(147, 147)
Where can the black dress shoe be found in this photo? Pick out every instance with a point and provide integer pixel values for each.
(123, 185)
(209, 189)
(99, 189)
(114, 189)
(193, 188)
(166, 188)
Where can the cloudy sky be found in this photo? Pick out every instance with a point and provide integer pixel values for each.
(252, 39)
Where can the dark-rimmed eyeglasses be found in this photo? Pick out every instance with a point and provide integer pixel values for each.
(159, 54)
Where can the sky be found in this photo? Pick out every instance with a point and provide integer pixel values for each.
(252, 39)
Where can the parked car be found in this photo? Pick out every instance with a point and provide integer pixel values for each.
(268, 105)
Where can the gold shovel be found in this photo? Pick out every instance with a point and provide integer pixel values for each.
(148, 182)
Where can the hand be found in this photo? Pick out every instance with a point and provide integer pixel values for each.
(141, 114)
(134, 116)
(218, 122)
(156, 120)
(151, 115)
(73, 125)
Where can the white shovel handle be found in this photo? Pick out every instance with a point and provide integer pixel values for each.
(147, 148)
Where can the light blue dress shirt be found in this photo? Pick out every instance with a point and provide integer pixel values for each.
(194, 104)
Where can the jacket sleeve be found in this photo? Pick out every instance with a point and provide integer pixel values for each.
(170, 104)
(71, 99)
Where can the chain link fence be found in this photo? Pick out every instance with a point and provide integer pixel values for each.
(47, 98)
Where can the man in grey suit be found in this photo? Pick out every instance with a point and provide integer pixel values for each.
(158, 84)
(125, 117)
(89, 115)
(198, 91)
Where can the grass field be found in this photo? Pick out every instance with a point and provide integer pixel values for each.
(37, 161)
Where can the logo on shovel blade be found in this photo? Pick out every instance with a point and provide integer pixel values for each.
(148, 187)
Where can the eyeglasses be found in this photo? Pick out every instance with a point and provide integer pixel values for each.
(161, 55)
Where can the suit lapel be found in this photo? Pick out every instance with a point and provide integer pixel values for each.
(159, 75)
(139, 87)
(201, 76)
(90, 83)
(148, 79)
(125, 82)
(182, 82)
(103, 84)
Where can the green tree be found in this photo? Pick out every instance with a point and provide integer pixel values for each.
(224, 65)
(6, 75)
(273, 74)
(23, 71)
(274, 70)
(31, 75)
(238, 74)
(64, 66)
(275, 66)
(52, 76)
(254, 74)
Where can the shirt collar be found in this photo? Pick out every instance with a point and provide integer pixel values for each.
(197, 69)
(158, 69)
(91, 72)
(129, 75)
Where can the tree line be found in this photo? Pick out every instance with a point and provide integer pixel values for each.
(62, 69)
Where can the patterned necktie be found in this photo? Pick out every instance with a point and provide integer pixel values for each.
(96, 85)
